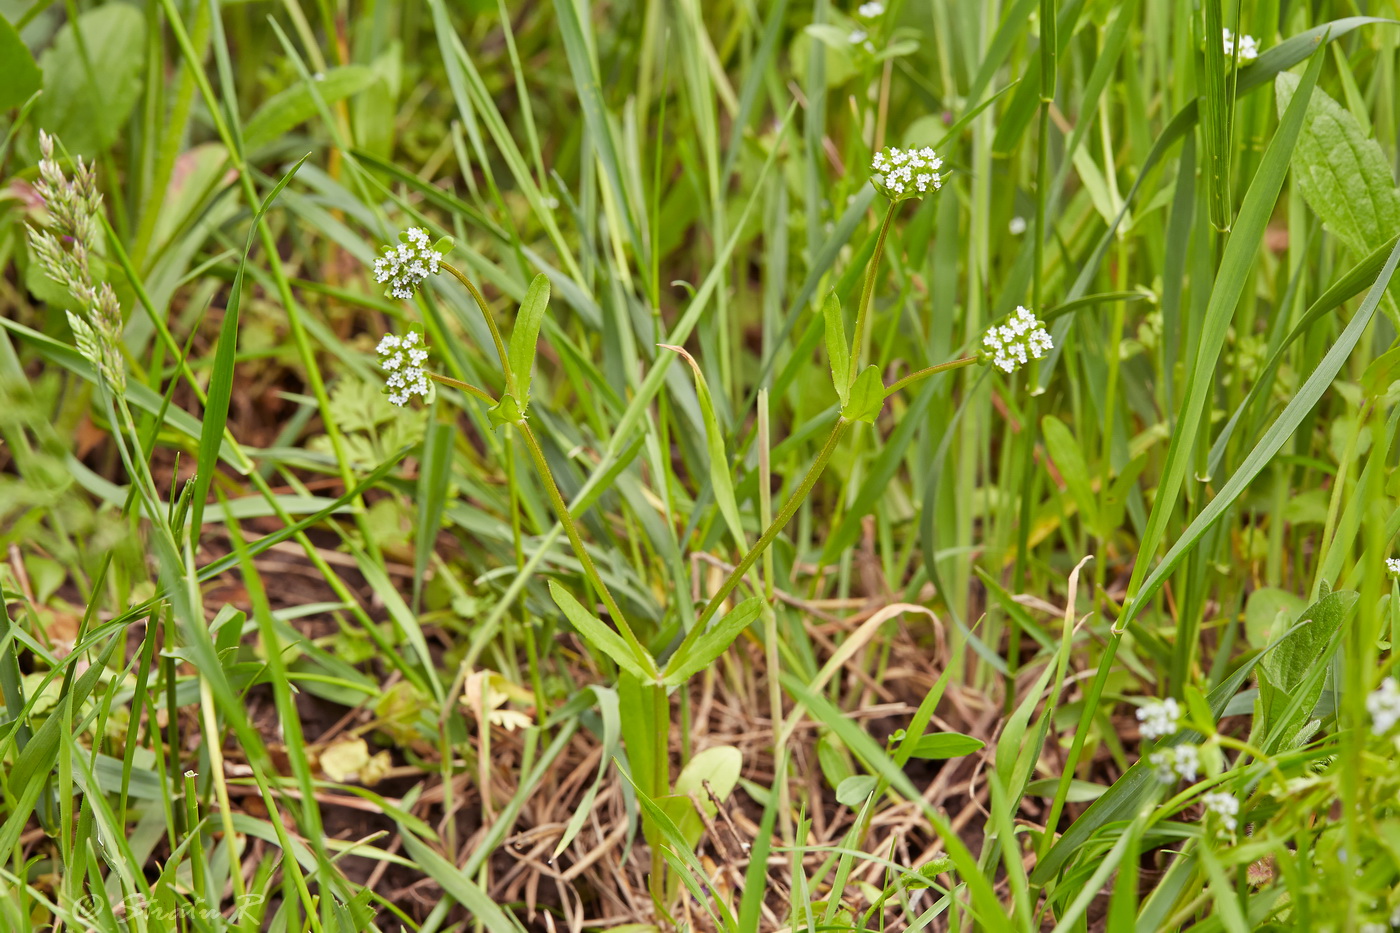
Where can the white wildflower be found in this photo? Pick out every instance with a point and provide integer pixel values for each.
(1017, 226)
(403, 358)
(1392, 564)
(906, 173)
(1159, 718)
(1022, 338)
(857, 36)
(1373, 927)
(1223, 805)
(1383, 704)
(404, 267)
(1249, 47)
(1179, 762)
(870, 10)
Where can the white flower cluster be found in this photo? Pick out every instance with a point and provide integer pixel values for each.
(1224, 806)
(1159, 719)
(857, 36)
(405, 266)
(1383, 704)
(1022, 338)
(1249, 47)
(1180, 761)
(1392, 564)
(870, 10)
(403, 358)
(906, 172)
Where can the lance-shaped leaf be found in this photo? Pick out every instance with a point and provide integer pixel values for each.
(523, 338)
(720, 480)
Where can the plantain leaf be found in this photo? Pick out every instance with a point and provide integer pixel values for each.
(1343, 173)
(19, 76)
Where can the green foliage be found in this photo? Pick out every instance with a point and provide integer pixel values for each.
(681, 647)
(19, 75)
(93, 78)
(1343, 173)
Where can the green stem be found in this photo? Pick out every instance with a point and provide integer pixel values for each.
(485, 313)
(571, 529)
(924, 373)
(789, 509)
(464, 386)
(868, 291)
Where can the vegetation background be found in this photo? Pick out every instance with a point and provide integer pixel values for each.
(279, 655)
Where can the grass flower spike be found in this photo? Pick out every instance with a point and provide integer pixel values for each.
(1383, 704)
(1249, 47)
(906, 173)
(404, 267)
(403, 358)
(1180, 762)
(1021, 339)
(1159, 718)
(1224, 806)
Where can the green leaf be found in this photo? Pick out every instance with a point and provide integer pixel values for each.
(19, 76)
(211, 432)
(854, 790)
(712, 771)
(457, 885)
(505, 411)
(867, 397)
(1279, 432)
(720, 480)
(1122, 801)
(684, 665)
(838, 351)
(1069, 460)
(941, 745)
(523, 338)
(1236, 266)
(598, 634)
(1288, 689)
(1343, 173)
(1269, 613)
(88, 97)
(288, 109)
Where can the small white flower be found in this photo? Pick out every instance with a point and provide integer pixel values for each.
(1224, 806)
(857, 36)
(1249, 47)
(902, 173)
(1373, 928)
(405, 266)
(1159, 718)
(1179, 762)
(403, 358)
(1392, 564)
(1017, 226)
(1383, 704)
(1021, 339)
(870, 10)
